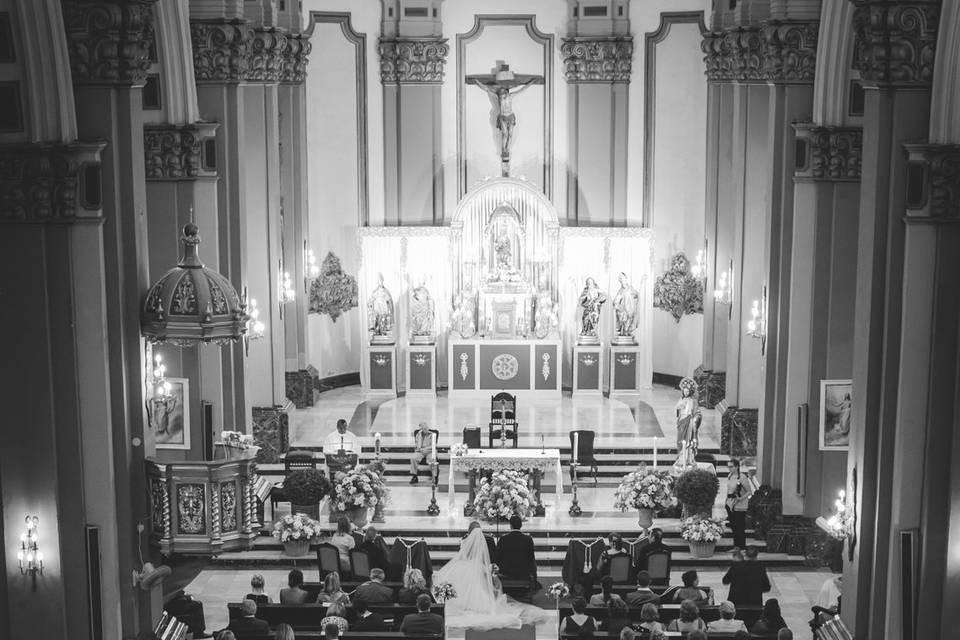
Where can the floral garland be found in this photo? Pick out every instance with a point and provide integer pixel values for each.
(359, 488)
(677, 291)
(443, 592)
(333, 292)
(504, 494)
(645, 489)
(298, 527)
(459, 449)
(236, 439)
(701, 529)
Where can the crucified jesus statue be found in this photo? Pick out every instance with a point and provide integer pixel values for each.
(503, 85)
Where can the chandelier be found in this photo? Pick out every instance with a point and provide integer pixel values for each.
(191, 304)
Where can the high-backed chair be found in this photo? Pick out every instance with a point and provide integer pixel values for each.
(585, 456)
(328, 559)
(359, 564)
(621, 569)
(658, 566)
(471, 437)
(503, 418)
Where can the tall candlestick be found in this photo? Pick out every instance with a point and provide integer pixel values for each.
(434, 438)
(654, 452)
(576, 447)
(377, 443)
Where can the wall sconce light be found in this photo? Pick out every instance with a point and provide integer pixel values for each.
(287, 294)
(255, 326)
(311, 269)
(29, 555)
(699, 267)
(757, 324)
(723, 294)
(842, 525)
(162, 403)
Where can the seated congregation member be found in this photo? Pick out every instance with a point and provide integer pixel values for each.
(373, 590)
(644, 593)
(615, 547)
(628, 634)
(654, 545)
(727, 622)
(578, 620)
(336, 614)
(650, 619)
(257, 594)
(689, 619)
(374, 547)
(691, 589)
(293, 593)
(606, 593)
(284, 632)
(249, 625)
(343, 540)
(748, 580)
(414, 585)
(331, 632)
(618, 616)
(366, 620)
(332, 592)
(422, 450)
(515, 553)
(423, 621)
(771, 620)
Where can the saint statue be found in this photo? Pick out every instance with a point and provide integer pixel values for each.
(464, 314)
(591, 299)
(503, 85)
(545, 320)
(380, 314)
(421, 315)
(504, 255)
(626, 304)
(688, 424)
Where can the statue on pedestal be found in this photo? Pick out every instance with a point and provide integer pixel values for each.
(626, 304)
(380, 314)
(590, 301)
(464, 318)
(545, 320)
(422, 316)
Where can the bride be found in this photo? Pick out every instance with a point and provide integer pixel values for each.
(479, 603)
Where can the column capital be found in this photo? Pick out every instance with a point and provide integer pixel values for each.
(175, 152)
(790, 51)
(832, 154)
(933, 182)
(734, 55)
(267, 54)
(109, 42)
(50, 183)
(413, 60)
(895, 42)
(221, 49)
(295, 58)
(597, 59)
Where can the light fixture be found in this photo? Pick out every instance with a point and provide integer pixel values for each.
(699, 267)
(310, 268)
(842, 524)
(723, 294)
(162, 402)
(757, 324)
(287, 294)
(255, 326)
(29, 555)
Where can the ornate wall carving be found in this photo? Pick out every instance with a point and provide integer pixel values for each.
(940, 172)
(221, 50)
(590, 59)
(412, 60)
(895, 42)
(833, 153)
(270, 432)
(267, 55)
(778, 52)
(790, 51)
(296, 54)
(176, 152)
(109, 42)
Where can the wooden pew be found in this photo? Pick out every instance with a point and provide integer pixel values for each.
(356, 635)
(605, 635)
(308, 616)
(669, 612)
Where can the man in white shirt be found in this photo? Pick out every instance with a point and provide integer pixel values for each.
(341, 439)
(422, 449)
(727, 623)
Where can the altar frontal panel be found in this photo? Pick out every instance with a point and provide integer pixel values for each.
(504, 366)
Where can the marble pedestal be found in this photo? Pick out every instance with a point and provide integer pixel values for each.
(381, 364)
(421, 369)
(624, 372)
(588, 369)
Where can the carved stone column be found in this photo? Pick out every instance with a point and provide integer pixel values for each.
(894, 52)
(108, 43)
(597, 69)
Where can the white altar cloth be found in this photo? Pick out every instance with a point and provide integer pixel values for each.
(497, 459)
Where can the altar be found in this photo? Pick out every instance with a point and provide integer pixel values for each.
(488, 366)
(537, 461)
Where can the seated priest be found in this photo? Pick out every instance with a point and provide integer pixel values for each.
(422, 450)
(515, 553)
(341, 439)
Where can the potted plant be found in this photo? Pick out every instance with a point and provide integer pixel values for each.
(354, 492)
(504, 494)
(702, 535)
(305, 488)
(648, 491)
(296, 532)
(697, 491)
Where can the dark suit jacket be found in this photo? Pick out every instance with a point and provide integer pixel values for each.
(515, 556)
(748, 582)
(376, 552)
(374, 592)
(637, 599)
(422, 622)
(246, 627)
(373, 622)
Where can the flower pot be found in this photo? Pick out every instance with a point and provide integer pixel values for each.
(312, 510)
(645, 519)
(356, 516)
(296, 548)
(702, 549)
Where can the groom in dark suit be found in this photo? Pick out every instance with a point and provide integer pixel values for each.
(515, 554)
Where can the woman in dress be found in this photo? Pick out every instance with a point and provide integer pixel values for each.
(413, 585)
(479, 604)
(739, 490)
(293, 593)
(332, 592)
(336, 614)
(257, 594)
(689, 619)
(579, 622)
(650, 618)
(343, 540)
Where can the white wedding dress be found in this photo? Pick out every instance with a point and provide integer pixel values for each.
(478, 604)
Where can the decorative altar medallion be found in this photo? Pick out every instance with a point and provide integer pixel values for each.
(464, 371)
(505, 367)
(545, 370)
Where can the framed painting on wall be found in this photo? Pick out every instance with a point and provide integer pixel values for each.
(835, 407)
(170, 418)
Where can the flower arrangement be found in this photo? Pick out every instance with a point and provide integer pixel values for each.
(502, 495)
(558, 590)
(701, 529)
(306, 486)
(236, 439)
(645, 489)
(444, 591)
(333, 292)
(298, 527)
(697, 490)
(359, 488)
(459, 449)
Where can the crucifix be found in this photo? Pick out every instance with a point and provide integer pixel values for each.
(502, 85)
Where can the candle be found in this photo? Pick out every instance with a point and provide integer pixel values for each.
(576, 447)
(434, 445)
(654, 452)
(377, 442)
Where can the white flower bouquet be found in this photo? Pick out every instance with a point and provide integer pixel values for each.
(504, 494)
(558, 590)
(236, 439)
(459, 449)
(701, 529)
(298, 527)
(645, 489)
(443, 592)
(359, 488)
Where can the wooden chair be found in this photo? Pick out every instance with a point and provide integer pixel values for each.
(658, 566)
(471, 437)
(621, 569)
(360, 564)
(328, 559)
(585, 455)
(503, 418)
